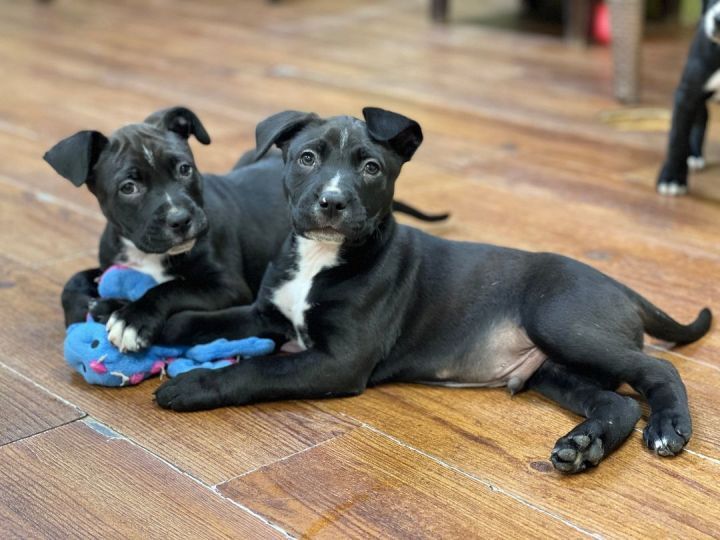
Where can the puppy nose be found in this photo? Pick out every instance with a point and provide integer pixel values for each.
(332, 202)
(179, 219)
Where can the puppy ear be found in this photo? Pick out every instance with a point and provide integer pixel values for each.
(182, 121)
(399, 132)
(279, 129)
(74, 157)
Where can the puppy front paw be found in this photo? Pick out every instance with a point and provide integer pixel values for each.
(133, 328)
(195, 390)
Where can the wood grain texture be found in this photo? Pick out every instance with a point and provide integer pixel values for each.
(27, 409)
(26, 217)
(364, 485)
(74, 480)
(506, 442)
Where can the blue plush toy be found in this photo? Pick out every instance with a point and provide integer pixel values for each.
(89, 352)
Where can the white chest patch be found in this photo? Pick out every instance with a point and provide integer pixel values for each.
(290, 298)
(713, 83)
(148, 263)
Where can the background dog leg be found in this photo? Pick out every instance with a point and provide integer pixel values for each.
(673, 176)
(695, 160)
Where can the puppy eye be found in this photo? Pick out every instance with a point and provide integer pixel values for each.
(307, 159)
(128, 187)
(372, 168)
(185, 170)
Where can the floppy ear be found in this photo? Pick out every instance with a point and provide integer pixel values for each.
(279, 129)
(74, 157)
(399, 132)
(182, 121)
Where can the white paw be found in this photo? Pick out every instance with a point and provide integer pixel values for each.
(696, 163)
(122, 336)
(672, 189)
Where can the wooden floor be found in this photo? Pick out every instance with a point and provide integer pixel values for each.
(518, 147)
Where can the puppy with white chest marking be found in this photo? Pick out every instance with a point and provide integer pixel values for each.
(699, 82)
(369, 301)
(206, 239)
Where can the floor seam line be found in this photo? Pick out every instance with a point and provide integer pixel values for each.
(279, 460)
(46, 430)
(193, 478)
(711, 459)
(684, 357)
(41, 387)
(49, 198)
(491, 486)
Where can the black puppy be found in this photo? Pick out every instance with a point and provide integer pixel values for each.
(699, 82)
(206, 240)
(370, 301)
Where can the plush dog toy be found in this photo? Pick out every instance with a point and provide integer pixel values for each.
(89, 352)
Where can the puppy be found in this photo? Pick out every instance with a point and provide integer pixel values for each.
(206, 240)
(699, 82)
(369, 301)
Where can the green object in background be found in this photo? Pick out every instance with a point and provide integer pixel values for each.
(690, 11)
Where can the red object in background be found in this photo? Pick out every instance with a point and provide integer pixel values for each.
(601, 31)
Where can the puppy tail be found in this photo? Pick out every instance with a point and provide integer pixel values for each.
(660, 325)
(399, 206)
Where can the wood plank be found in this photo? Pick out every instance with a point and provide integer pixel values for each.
(28, 409)
(506, 442)
(373, 487)
(25, 219)
(74, 480)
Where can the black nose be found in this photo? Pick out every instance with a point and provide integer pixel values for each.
(332, 202)
(179, 220)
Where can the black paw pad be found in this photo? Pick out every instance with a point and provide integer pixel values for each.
(575, 453)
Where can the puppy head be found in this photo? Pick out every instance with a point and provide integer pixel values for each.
(144, 178)
(711, 20)
(340, 172)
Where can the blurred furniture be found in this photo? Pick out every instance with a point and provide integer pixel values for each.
(627, 20)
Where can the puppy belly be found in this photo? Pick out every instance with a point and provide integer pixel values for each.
(505, 356)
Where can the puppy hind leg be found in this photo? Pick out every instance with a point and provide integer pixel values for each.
(79, 291)
(669, 427)
(610, 416)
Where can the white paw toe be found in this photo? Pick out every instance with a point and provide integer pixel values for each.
(696, 163)
(116, 331)
(131, 341)
(671, 189)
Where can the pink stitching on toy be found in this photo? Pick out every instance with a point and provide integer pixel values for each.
(98, 367)
(137, 378)
(157, 367)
